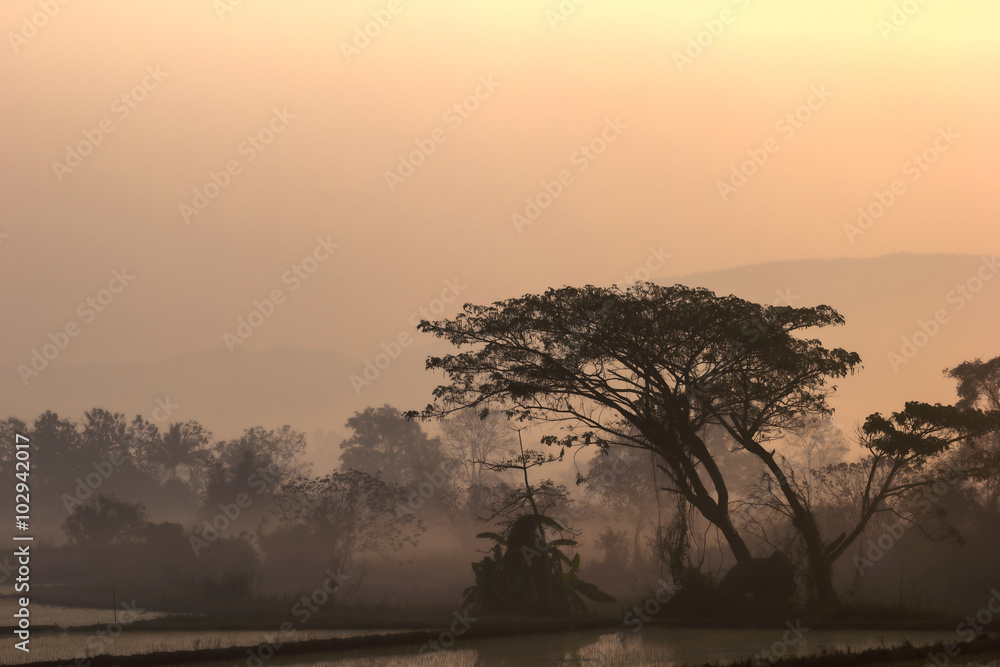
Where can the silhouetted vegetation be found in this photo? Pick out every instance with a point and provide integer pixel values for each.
(716, 466)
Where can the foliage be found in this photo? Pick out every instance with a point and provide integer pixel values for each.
(276, 452)
(649, 367)
(258, 463)
(979, 387)
(524, 573)
(472, 439)
(343, 514)
(106, 521)
(183, 447)
(386, 444)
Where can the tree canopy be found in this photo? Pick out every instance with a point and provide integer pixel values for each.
(386, 444)
(662, 368)
(646, 366)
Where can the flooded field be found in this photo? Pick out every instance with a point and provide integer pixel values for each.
(69, 617)
(653, 646)
(71, 645)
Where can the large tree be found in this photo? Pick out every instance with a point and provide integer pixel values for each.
(655, 367)
(650, 367)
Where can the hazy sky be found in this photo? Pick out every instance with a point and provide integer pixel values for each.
(872, 90)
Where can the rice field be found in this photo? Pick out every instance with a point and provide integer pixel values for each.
(68, 617)
(653, 646)
(70, 645)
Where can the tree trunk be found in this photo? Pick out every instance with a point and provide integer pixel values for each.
(733, 539)
(718, 515)
(820, 567)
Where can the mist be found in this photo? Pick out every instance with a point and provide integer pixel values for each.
(382, 332)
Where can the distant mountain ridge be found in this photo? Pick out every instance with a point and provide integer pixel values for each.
(884, 300)
(890, 305)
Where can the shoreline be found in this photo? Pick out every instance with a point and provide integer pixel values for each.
(334, 646)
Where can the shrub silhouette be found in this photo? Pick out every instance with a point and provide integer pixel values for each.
(524, 573)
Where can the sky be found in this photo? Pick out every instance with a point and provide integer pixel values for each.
(338, 166)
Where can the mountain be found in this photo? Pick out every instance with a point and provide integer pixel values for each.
(886, 301)
(909, 316)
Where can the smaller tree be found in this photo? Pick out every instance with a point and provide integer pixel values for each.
(106, 521)
(258, 463)
(902, 451)
(516, 578)
(472, 439)
(529, 575)
(183, 447)
(818, 445)
(387, 445)
(342, 515)
(103, 435)
(624, 482)
(54, 442)
(10, 428)
(276, 452)
(979, 387)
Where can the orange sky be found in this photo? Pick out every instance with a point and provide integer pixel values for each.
(679, 127)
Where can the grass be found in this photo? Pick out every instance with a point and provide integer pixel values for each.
(897, 657)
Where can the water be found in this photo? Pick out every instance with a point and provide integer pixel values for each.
(121, 640)
(68, 617)
(653, 646)
(69, 645)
